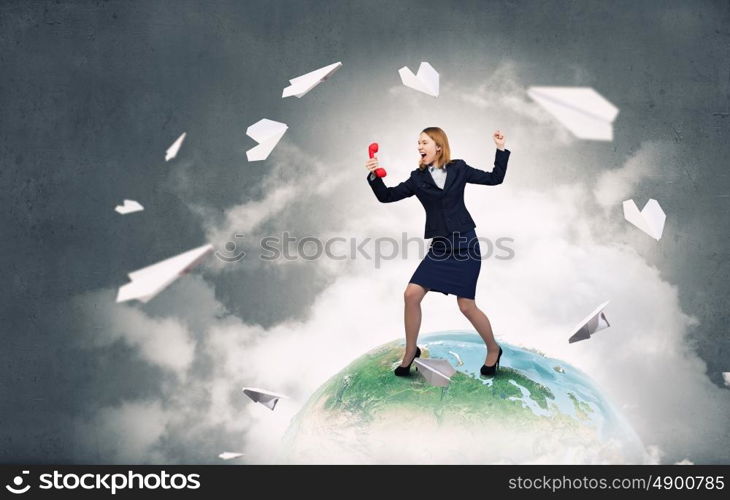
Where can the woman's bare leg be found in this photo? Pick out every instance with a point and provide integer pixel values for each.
(481, 323)
(412, 318)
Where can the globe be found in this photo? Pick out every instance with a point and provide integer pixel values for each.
(535, 410)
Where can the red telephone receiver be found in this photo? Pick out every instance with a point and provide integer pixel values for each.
(372, 149)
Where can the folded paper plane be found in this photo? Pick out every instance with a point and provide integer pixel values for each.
(151, 280)
(303, 84)
(267, 133)
(594, 322)
(650, 219)
(585, 112)
(266, 398)
(437, 372)
(129, 206)
(172, 150)
(229, 455)
(426, 80)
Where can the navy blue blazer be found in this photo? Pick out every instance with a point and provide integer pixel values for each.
(445, 209)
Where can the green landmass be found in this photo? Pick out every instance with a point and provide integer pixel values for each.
(367, 388)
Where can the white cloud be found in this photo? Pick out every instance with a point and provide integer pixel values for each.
(652, 160)
(292, 179)
(127, 433)
(503, 92)
(163, 342)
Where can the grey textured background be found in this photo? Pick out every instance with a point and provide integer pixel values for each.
(92, 93)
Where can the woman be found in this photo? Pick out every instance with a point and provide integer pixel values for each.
(453, 261)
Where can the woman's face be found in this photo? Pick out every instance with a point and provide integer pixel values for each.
(427, 148)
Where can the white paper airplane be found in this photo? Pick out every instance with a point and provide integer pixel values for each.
(303, 84)
(129, 206)
(459, 362)
(437, 372)
(172, 150)
(151, 280)
(266, 398)
(229, 455)
(426, 81)
(594, 322)
(267, 133)
(585, 112)
(726, 378)
(650, 219)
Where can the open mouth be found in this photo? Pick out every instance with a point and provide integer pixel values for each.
(423, 155)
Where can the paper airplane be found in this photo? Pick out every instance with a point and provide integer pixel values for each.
(726, 378)
(437, 372)
(426, 81)
(130, 206)
(266, 398)
(151, 280)
(172, 150)
(229, 455)
(303, 84)
(650, 219)
(585, 112)
(594, 322)
(267, 133)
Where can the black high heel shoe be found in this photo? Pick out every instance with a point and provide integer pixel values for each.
(491, 370)
(402, 371)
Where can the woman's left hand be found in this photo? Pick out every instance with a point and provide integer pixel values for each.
(498, 139)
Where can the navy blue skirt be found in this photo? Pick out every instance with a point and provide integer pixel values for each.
(451, 265)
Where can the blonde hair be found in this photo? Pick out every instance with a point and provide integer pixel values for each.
(442, 141)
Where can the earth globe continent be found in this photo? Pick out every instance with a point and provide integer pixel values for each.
(535, 410)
